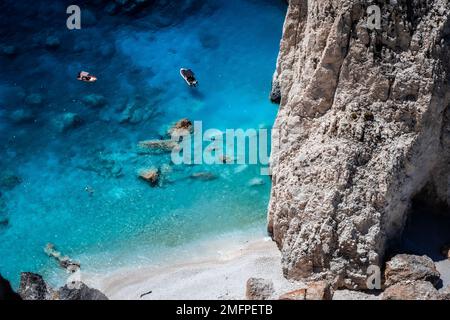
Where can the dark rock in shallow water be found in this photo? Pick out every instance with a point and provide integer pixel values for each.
(151, 176)
(34, 99)
(209, 41)
(203, 176)
(6, 292)
(157, 146)
(68, 121)
(404, 267)
(80, 291)
(64, 261)
(9, 51)
(9, 181)
(104, 167)
(52, 42)
(21, 116)
(94, 100)
(2, 205)
(4, 222)
(181, 128)
(33, 287)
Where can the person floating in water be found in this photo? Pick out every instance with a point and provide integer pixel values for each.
(189, 76)
(86, 77)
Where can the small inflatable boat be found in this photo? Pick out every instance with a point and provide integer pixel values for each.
(189, 77)
(86, 77)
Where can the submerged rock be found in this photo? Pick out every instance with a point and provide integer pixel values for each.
(256, 182)
(209, 41)
(163, 146)
(52, 42)
(259, 289)
(68, 121)
(136, 111)
(64, 261)
(362, 127)
(181, 128)
(3, 204)
(103, 166)
(94, 100)
(34, 99)
(152, 176)
(20, 116)
(9, 181)
(4, 222)
(203, 176)
(404, 267)
(33, 287)
(8, 50)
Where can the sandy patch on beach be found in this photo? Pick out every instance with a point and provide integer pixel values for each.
(216, 274)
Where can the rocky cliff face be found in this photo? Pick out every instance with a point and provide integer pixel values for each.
(363, 126)
(33, 287)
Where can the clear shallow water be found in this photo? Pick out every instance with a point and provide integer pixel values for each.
(232, 47)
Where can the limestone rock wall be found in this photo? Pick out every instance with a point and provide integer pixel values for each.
(363, 126)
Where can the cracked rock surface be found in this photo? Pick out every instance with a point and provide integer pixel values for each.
(363, 126)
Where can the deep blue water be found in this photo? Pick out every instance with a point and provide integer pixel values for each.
(231, 45)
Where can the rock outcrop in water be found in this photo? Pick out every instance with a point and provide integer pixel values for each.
(364, 126)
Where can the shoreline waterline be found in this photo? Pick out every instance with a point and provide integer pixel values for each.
(218, 270)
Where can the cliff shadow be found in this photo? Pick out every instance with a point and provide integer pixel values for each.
(427, 232)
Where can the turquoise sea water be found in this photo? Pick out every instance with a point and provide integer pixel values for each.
(232, 47)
